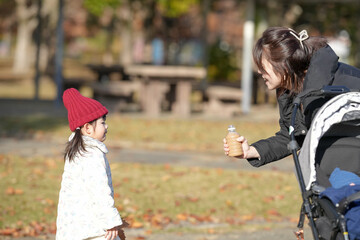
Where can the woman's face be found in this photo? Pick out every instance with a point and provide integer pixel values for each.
(272, 79)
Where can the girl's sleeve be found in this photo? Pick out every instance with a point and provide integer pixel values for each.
(98, 182)
(273, 148)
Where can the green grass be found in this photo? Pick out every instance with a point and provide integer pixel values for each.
(28, 189)
(152, 196)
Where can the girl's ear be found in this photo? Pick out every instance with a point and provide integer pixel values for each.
(87, 129)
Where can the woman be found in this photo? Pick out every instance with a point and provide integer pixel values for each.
(290, 63)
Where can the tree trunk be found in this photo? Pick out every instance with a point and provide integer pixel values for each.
(124, 28)
(49, 11)
(26, 25)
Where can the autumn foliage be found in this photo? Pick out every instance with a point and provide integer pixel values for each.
(149, 197)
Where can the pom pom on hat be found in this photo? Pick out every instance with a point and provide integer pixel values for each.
(81, 109)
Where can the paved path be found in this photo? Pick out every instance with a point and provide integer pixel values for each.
(280, 233)
(31, 147)
(131, 234)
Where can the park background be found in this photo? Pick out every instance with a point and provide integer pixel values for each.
(49, 45)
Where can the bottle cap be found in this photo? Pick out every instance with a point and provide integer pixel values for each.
(231, 128)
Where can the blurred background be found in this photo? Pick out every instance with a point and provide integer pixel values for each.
(56, 44)
(173, 74)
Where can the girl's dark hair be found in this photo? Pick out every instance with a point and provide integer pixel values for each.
(286, 55)
(76, 144)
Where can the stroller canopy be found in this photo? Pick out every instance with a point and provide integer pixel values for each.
(342, 108)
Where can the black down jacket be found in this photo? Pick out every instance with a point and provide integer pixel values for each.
(324, 70)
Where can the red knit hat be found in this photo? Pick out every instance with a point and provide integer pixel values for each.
(81, 109)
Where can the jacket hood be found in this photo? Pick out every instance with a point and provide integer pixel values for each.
(91, 142)
(321, 71)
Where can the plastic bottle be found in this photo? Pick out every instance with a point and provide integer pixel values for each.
(235, 147)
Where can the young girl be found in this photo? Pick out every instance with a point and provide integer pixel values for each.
(86, 201)
(290, 63)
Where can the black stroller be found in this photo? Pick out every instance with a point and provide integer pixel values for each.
(333, 141)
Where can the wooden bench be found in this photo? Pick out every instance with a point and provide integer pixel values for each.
(116, 93)
(223, 101)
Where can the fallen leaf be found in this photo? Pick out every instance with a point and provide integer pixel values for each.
(268, 199)
(219, 171)
(255, 175)
(139, 238)
(13, 191)
(49, 201)
(182, 217)
(224, 187)
(230, 220)
(230, 204)
(241, 187)
(279, 197)
(18, 191)
(10, 191)
(248, 217)
(136, 224)
(167, 166)
(212, 210)
(7, 231)
(47, 210)
(192, 199)
(50, 163)
(273, 212)
(120, 208)
(125, 179)
(178, 174)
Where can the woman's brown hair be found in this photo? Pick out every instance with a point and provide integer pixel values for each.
(289, 57)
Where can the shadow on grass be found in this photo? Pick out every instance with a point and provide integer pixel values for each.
(27, 126)
(22, 118)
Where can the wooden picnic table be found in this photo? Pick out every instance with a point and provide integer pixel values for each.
(108, 85)
(104, 71)
(158, 80)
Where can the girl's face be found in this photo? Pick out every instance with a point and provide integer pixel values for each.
(99, 130)
(272, 79)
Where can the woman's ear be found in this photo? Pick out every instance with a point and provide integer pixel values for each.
(87, 129)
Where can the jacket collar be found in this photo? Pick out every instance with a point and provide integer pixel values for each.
(91, 142)
(321, 71)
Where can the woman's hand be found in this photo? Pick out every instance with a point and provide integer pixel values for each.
(248, 151)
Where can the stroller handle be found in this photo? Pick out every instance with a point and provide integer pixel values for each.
(306, 207)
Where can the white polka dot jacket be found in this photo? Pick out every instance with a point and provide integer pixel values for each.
(86, 205)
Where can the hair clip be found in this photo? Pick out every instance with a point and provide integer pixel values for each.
(303, 35)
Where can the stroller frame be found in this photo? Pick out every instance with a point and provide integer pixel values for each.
(313, 206)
